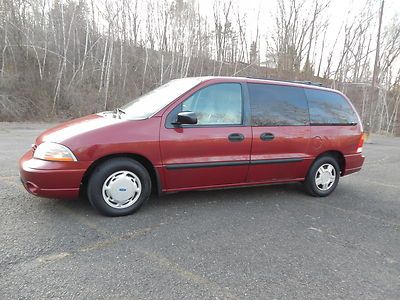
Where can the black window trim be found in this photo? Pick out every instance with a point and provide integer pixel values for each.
(245, 109)
(334, 124)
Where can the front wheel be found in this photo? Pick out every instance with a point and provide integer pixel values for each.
(119, 187)
(323, 177)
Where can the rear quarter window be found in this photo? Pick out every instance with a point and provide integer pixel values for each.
(277, 105)
(329, 108)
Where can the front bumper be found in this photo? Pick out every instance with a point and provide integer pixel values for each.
(51, 179)
(353, 163)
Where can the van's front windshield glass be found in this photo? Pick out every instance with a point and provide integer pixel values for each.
(147, 105)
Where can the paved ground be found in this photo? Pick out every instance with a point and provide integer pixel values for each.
(265, 242)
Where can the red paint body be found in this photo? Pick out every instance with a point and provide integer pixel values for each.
(95, 138)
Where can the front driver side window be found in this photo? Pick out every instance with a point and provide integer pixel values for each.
(218, 104)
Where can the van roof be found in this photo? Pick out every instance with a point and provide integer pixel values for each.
(303, 84)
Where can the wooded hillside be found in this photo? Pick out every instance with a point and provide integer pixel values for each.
(62, 59)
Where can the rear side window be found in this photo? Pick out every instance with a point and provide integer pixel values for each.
(329, 108)
(275, 105)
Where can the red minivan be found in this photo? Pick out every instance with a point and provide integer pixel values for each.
(199, 133)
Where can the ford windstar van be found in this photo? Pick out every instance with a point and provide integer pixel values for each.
(199, 133)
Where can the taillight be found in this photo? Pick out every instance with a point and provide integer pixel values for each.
(360, 144)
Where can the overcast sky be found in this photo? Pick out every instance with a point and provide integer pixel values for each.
(337, 13)
(338, 10)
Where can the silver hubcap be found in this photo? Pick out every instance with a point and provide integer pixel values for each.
(325, 177)
(121, 189)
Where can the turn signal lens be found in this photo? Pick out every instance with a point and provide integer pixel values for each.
(53, 152)
(360, 144)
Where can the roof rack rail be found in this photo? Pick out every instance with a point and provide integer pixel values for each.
(308, 82)
(293, 81)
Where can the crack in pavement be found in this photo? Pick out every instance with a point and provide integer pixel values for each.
(356, 212)
(159, 260)
(170, 265)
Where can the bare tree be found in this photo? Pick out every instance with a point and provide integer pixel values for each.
(69, 58)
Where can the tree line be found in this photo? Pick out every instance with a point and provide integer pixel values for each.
(63, 59)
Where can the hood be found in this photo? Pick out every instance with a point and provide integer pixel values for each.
(77, 127)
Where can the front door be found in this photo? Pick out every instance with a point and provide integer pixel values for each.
(216, 150)
(281, 133)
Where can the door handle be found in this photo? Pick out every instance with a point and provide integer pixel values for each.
(267, 136)
(236, 137)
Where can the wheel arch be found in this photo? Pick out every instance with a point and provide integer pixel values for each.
(154, 176)
(336, 155)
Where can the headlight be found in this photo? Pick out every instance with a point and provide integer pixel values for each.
(53, 152)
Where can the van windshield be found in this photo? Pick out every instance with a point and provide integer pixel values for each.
(147, 105)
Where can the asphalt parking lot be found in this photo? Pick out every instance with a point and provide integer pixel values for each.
(271, 242)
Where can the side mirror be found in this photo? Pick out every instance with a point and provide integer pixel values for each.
(185, 117)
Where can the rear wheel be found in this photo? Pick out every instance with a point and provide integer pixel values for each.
(323, 177)
(119, 187)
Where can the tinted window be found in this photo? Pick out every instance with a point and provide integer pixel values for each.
(219, 104)
(275, 105)
(329, 108)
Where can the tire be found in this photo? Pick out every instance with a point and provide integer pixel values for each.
(118, 187)
(323, 177)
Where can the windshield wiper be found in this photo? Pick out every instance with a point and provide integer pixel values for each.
(118, 112)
